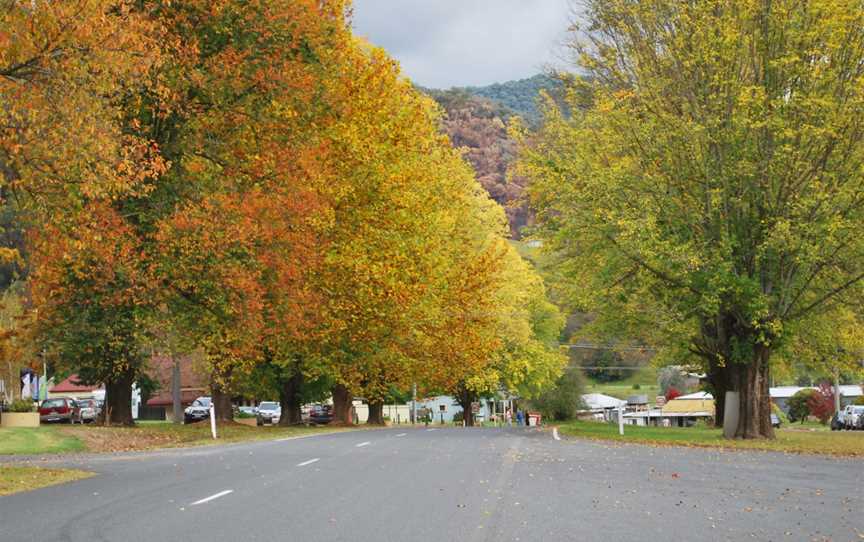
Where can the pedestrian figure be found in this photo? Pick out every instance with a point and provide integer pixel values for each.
(519, 417)
(508, 417)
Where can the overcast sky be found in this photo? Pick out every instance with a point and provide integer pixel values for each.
(445, 43)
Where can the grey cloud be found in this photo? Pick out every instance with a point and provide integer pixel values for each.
(444, 43)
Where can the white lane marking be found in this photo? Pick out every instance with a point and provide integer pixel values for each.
(213, 497)
(555, 433)
(401, 434)
(367, 443)
(303, 464)
(286, 439)
(431, 429)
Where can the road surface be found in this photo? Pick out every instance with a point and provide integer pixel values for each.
(445, 485)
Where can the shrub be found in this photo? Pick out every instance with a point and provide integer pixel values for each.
(821, 402)
(457, 417)
(672, 393)
(243, 415)
(860, 401)
(561, 402)
(784, 419)
(22, 405)
(637, 387)
(798, 408)
(670, 377)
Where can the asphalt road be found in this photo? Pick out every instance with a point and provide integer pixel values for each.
(445, 485)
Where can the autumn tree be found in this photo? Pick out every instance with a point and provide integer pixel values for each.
(709, 193)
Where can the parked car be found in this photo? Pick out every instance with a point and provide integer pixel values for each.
(248, 410)
(86, 411)
(851, 415)
(321, 414)
(836, 424)
(197, 411)
(269, 412)
(59, 409)
(775, 421)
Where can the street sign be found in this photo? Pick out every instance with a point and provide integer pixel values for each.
(475, 407)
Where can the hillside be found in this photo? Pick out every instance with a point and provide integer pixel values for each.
(519, 96)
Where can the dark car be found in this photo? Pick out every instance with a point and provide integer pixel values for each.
(59, 409)
(321, 414)
(199, 410)
(836, 425)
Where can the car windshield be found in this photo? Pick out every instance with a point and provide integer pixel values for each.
(85, 404)
(201, 401)
(53, 403)
(268, 406)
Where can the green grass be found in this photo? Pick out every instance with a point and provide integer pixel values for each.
(789, 439)
(37, 440)
(151, 435)
(645, 377)
(18, 479)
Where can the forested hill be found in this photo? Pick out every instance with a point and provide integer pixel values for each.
(476, 119)
(519, 96)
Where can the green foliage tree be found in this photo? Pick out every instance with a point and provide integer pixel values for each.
(709, 193)
(564, 399)
(799, 407)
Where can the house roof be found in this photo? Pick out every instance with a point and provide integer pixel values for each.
(71, 385)
(161, 368)
(784, 392)
(596, 401)
(700, 395)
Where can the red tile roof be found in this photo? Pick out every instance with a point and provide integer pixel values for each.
(71, 385)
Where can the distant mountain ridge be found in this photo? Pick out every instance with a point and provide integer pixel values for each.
(519, 95)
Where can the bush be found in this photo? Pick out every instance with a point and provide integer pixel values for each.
(784, 419)
(670, 377)
(243, 415)
(561, 402)
(637, 387)
(821, 403)
(672, 393)
(457, 418)
(798, 407)
(22, 405)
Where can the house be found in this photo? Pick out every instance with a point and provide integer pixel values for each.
(71, 387)
(600, 406)
(780, 395)
(683, 411)
(192, 385)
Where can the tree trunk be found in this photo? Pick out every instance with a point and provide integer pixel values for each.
(222, 403)
(291, 400)
(719, 385)
(751, 382)
(343, 411)
(465, 399)
(118, 401)
(376, 413)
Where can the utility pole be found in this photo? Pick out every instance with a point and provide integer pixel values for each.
(836, 390)
(414, 403)
(175, 391)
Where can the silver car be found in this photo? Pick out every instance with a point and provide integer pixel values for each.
(269, 412)
(86, 411)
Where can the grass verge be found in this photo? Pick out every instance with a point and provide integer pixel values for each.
(18, 479)
(792, 440)
(37, 440)
(152, 435)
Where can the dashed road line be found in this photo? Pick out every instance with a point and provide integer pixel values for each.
(303, 464)
(212, 497)
(401, 434)
(432, 429)
(367, 443)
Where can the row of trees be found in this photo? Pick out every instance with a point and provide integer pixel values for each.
(248, 181)
(703, 184)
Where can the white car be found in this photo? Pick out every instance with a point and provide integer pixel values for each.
(851, 415)
(269, 412)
